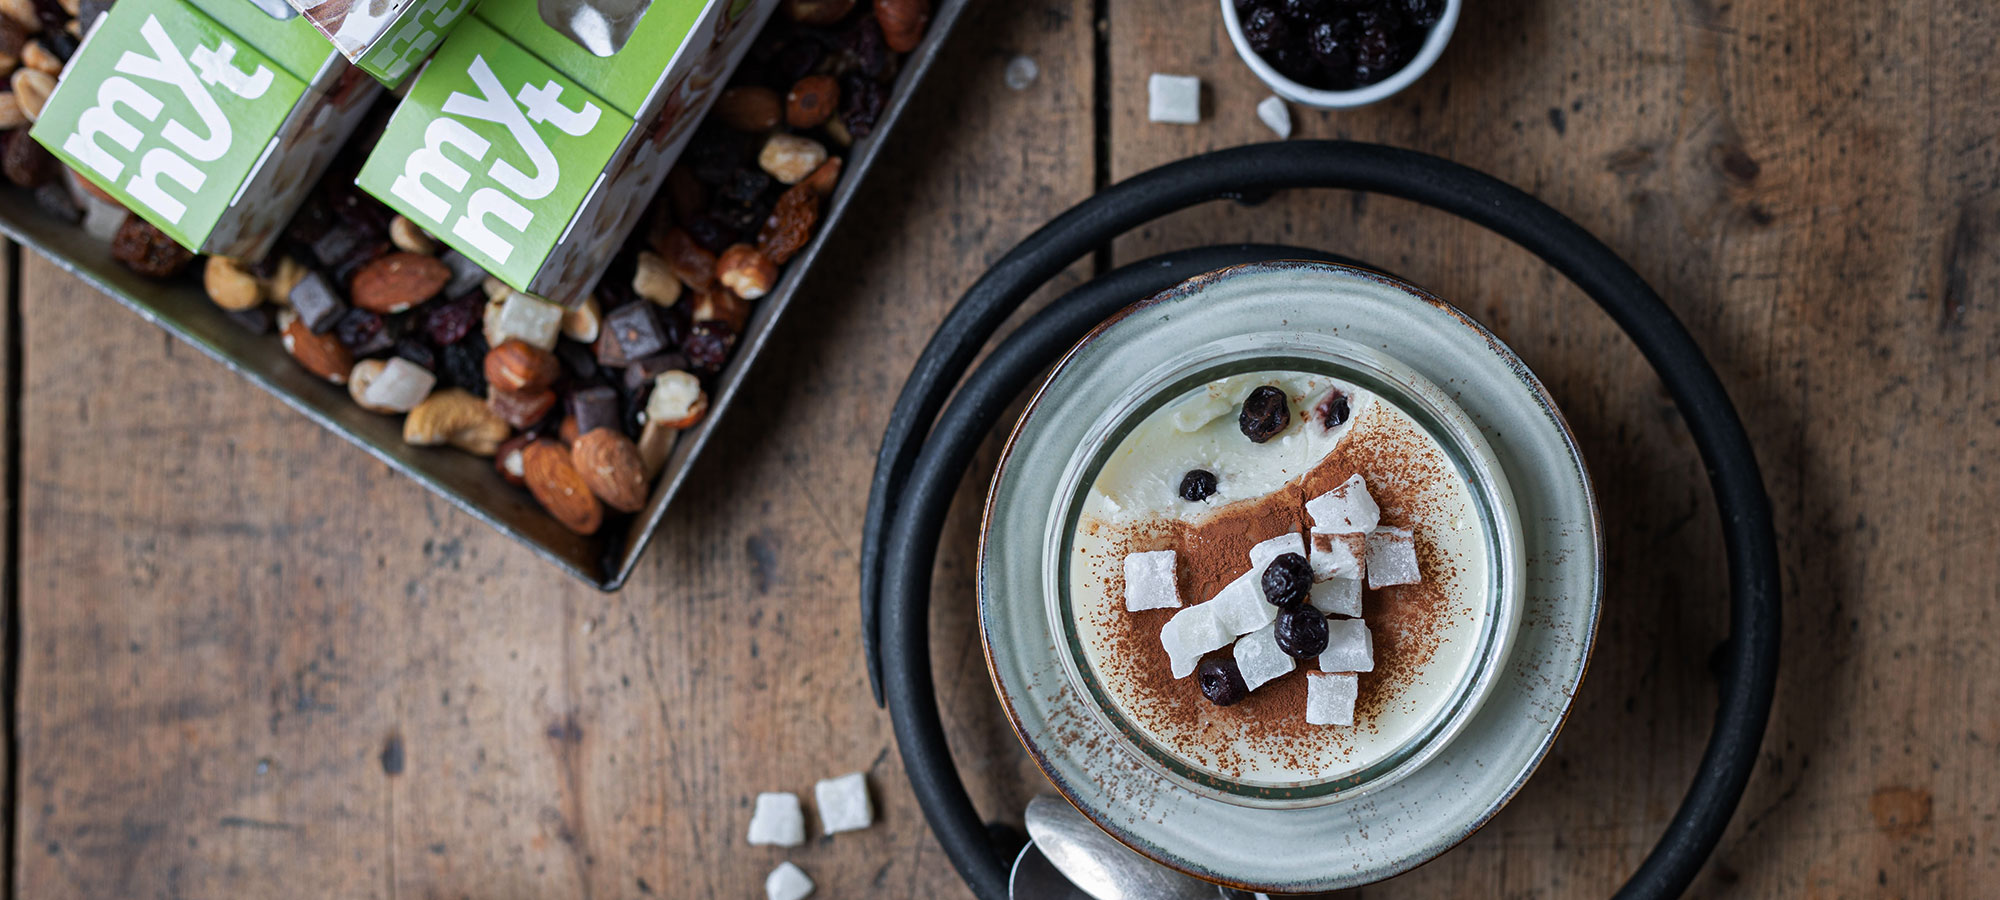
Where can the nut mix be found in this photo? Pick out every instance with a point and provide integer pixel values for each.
(579, 406)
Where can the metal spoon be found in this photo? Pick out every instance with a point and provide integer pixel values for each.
(1102, 867)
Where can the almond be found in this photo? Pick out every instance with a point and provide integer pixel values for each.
(903, 22)
(750, 108)
(825, 177)
(609, 462)
(398, 281)
(321, 354)
(550, 476)
(517, 365)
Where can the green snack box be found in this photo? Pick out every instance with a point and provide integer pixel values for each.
(213, 129)
(533, 154)
(385, 38)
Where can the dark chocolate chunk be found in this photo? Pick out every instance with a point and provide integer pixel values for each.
(465, 274)
(316, 303)
(636, 328)
(577, 360)
(258, 319)
(594, 408)
(609, 354)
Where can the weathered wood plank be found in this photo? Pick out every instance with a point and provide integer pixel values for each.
(9, 583)
(257, 664)
(1813, 191)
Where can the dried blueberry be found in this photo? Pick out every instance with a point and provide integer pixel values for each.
(418, 352)
(1197, 485)
(1221, 682)
(1328, 47)
(1423, 13)
(1301, 632)
(1266, 29)
(1266, 412)
(1287, 580)
(1333, 411)
(464, 365)
(863, 48)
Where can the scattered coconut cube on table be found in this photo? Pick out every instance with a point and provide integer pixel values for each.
(1259, 659)
(843, 803)
(1189, 634)
(787, 882)
(1173, 98)
(1349, 647)
(1276, 116)
(1149, 581)
(1337, 596)
(778, 821)
(1347, 509)
(1392, 557)
(1330, 698)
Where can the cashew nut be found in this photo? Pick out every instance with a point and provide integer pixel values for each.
(456, 417)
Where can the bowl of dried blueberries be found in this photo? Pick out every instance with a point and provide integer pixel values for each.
(1336, 54)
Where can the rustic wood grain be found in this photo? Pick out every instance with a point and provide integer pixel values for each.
(8, 304)
(257, 663)
(1814, 191)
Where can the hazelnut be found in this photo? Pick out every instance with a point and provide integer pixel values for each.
(516, 365)
(811, 101)
(823, 179)
(32, 88)
(37, 57)
(790, 158)
(745, 271)
(230, 285)
(752, 109)
(581, 322)
(409, 238)
(655, 281)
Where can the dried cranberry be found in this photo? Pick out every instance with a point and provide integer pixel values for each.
(1301, 632)
(1266, 412)
(464, 365)
(1287, 580)
(449, 321)
(418, 352)
(861, 103)
(1221, 682)
(707, 346)
(1333, 411)
(1197, 485)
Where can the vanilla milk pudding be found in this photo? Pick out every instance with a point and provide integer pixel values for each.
(1190, 478)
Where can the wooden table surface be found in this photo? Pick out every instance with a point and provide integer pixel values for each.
(253, 662)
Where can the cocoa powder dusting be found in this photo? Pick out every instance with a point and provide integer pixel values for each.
(1405, 620)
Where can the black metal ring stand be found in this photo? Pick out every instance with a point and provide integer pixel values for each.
(924, 455)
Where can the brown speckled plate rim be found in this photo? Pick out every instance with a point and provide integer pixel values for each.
(1544, 400)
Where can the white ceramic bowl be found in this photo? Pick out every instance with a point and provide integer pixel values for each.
(1298, 93)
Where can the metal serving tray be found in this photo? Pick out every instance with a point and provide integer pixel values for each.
(605, 559)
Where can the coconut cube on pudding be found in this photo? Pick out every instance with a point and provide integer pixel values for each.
(1392, 557)
(1149, 581)
(1330, 698)
(1173, 98)
(1190, 633)
(778, 821)
(843, 803)
(1349, 647)
(1338, 556)
(787, 882)
(1258, 657)
(1241, 608)
(1347, 509)
(1337, 596)
(1265, 551)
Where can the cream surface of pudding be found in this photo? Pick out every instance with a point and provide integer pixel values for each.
(1424, 634)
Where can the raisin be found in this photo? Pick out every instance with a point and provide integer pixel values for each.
(1266, 412)
(863, 49)
(1287, 580)
(744, 188)
(861, 103)
(1333, 411)
(146, 250)
(790, 225)
(1301, 632)
(1221, 682)
(707, 346)
(463, 365)
(712, 232)
(1197, 485)
(448, 322)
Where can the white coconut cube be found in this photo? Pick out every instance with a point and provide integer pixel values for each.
(532, 319)
(400, 386)
(1347, 509)
(1392, 557)
(1349, 647)
(1258, 657)
(778, 821)
(1173, 98)
(1265, 551)
(1149, 581)
(787, 882)
(843, 803)
(1330, 698)
(1337, 596)
(1338, 556)
(1276, 116)
(1241, 608)
(1190, 633)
